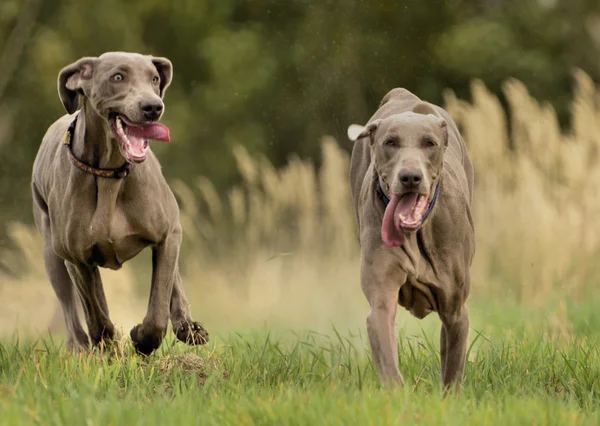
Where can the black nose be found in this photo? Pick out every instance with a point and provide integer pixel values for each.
(152, 110)
(410, 178)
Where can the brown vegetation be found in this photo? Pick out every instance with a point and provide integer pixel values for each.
(281, 247)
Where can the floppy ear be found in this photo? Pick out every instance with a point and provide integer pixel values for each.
(368, 131)
(354, 130)
(165, 70)
(74, 80)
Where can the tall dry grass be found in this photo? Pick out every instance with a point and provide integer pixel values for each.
(281, 247)
(537, 202)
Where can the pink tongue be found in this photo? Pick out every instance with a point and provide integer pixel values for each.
(154, 131)
(391, 231)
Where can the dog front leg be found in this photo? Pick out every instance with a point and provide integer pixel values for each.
(185, 328)
(148, 335)
(381, 290)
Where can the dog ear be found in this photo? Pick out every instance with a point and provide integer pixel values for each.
(73, 80)
(356, 131)
(165, 70)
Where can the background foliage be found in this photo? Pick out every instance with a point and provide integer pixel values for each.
(275, 76)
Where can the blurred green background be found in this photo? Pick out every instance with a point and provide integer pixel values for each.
(275, 76)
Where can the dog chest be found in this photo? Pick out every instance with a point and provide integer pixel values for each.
(95, 238)
(113, 240)
(419, 299)
(112, 254)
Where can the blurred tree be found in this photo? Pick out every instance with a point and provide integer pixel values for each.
(275, 76)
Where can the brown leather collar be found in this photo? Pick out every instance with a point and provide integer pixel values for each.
(118, 173)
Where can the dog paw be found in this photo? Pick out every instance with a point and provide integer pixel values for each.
(104, 335)
(146, 342)
(192, 333)
(78, 343)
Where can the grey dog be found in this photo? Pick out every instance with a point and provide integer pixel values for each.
(412, 187)
(100, 197)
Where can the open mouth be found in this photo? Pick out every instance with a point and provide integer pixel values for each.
(133, 138)
(404, 213)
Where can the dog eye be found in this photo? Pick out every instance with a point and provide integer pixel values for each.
(429, 142)
(155, 79)
(118, 77)
(389, 142)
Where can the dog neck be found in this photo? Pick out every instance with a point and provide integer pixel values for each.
(94, 142)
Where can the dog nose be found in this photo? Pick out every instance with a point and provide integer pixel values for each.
(410, 178)
(152, 110)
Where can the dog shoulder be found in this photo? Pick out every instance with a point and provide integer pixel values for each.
(51, 143)
(57, 130)
(398, 94)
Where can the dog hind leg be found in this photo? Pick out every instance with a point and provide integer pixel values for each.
(77, 338)
(453, 347)
(90, 289)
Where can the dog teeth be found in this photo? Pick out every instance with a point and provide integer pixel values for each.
(411, 221)
(121, 131)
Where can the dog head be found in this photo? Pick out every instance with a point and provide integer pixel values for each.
(126, 90)
(408, 154)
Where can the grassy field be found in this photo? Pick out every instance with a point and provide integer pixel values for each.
(276, 256)
(514, 375)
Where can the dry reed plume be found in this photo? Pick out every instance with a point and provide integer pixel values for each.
(281, 247)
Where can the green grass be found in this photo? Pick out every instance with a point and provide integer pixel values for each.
(513, 376)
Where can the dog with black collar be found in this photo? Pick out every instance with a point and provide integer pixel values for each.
(412, 186)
